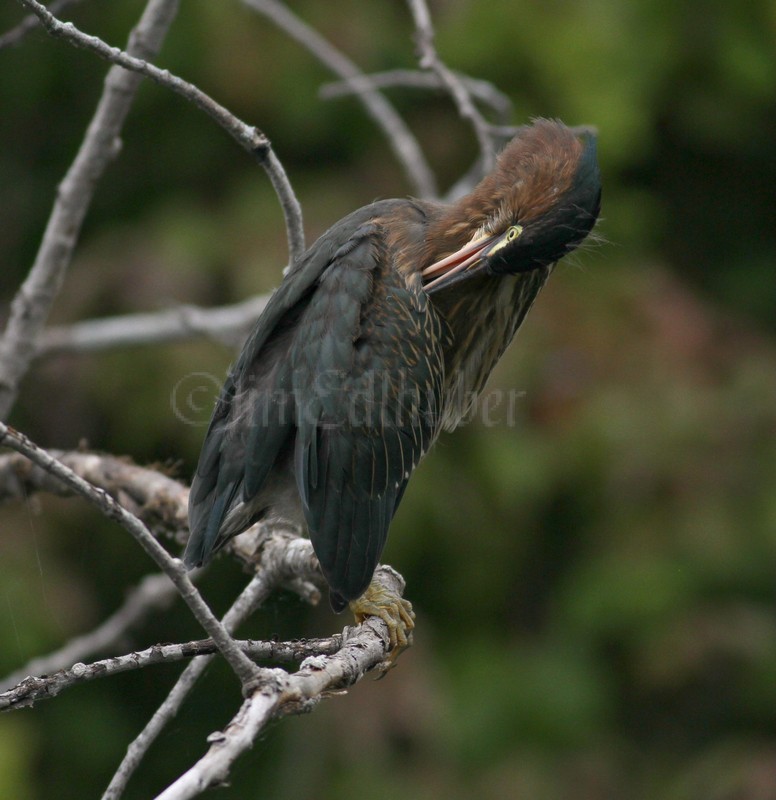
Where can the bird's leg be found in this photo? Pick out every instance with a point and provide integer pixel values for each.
(383, 599)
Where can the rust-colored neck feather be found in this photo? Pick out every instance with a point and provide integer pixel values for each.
(532, 173)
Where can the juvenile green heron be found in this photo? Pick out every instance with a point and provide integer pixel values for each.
(364, 354)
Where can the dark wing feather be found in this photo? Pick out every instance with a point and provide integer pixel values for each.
(367, 379)
(214, 485)
(254, 415)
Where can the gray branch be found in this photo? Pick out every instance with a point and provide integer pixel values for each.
(279, 557)
(30, 23)
(250, 598)
(227, 324)
(32, 304)
(154, 594)
(404, 144)
(278, 693)
(248, 137)
(31, 689)
(429, 59)
(173, 567)
(160, 501)
(483, 91)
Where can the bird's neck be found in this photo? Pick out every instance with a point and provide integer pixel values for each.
(483, 315)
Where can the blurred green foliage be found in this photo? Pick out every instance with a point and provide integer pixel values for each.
(593, 560)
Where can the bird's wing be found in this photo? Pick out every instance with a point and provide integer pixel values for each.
(366, 373)
(254, 414)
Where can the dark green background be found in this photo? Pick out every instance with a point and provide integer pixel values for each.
(594, 573)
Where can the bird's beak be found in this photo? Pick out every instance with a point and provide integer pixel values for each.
(461, 264)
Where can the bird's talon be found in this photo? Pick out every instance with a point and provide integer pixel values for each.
(393, 610)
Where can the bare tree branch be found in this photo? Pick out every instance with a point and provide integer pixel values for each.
(31, 23)
(429, 59)
(400, 138)
(33, 302)
(277, 694)
(279, 557)
(156, 498)
(173, 567)
(481, 90)
(248, 137)
(154, 593)
(226, 324)
(283, 557)
(31, 689)
(167, 711)
(254, 594)
(160, 501)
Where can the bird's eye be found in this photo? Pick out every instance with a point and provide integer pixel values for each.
(514, 232)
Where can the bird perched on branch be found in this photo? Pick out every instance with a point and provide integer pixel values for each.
(378, 338)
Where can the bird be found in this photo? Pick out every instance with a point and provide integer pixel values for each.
(379, 338)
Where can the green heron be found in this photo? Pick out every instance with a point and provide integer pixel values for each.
(368, 350)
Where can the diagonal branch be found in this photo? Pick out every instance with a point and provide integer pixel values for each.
(154, 593)
(248, 137)
(32, 304)
(249, 599)
(159, 500)
(403, 143)
(279, 558)
(278, 694)
(283, 558)
(429, 59)
(30, 23)
(173, 567)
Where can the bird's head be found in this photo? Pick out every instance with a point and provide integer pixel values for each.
(539, 203)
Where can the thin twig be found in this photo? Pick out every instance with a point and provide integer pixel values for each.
(292, 210)
(32, 304)
(481, 90)
(173, 567)
(401, 140)
(31, 23)
(283, 559)
(31, 689)
(154, 593)
(429, 59)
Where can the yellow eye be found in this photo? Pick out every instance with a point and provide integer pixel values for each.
(514, 232)
(509, 236)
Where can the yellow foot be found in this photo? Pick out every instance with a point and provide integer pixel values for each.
(383, 599)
